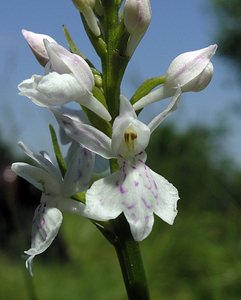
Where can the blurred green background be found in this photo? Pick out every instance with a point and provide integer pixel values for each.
(199, 257)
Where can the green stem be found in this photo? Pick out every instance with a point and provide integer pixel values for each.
(113, 62)
(129, 255)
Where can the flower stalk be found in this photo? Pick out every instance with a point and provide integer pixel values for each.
(130, 259)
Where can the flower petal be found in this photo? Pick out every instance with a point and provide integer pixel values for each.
(35, 42)
(136, 191)
(46, 224)
(155, 122)
(86, 135)
(94, 105)
(42, 159)
(127, 119)
(80, 163)
(51, 89)
(63, 61)
(166, 205)
(146, 192)
(102, 199)
(38, 177)
(79, 115)
(155, 95)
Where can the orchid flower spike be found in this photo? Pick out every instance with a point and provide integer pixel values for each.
(190, 71)
(68, 78)
(36, 43)
(137, 17)
(56, 192)
(86, 7)
(134, 189)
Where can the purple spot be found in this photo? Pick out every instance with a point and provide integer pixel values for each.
(136, 183)
(155, 185)
(122, 190)
(130, 206)
(148, 206)
(97, 143)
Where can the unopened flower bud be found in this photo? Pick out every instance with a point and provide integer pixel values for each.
(86, 7)
(137, 17)
(36, 43)
(191, 71)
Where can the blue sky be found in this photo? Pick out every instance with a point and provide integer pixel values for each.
(176, 27)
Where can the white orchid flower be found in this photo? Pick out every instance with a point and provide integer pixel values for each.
(135, 189)
(190, 71)
(68, 78)
(56, 193)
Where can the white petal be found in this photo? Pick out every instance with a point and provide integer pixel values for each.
(79, 115)
(123, 192)
(127, 119)
(145, 192)
(101, 166)
(166, 205)
(138, 192)
(51, 89)
(102, 199)
(35, 41)
(137, 200)
(41, 179)
(94, 105)
(155, 95)
(46, 224)
(44, 162)
(80, 163)
(42, 159)
(126, 109)
(63, 61)
(162, 116)
(71, 206)
(86, 135)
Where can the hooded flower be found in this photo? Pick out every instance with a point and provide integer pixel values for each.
(56, 193)
(134, 189)
(68, 78)
(190, 71)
